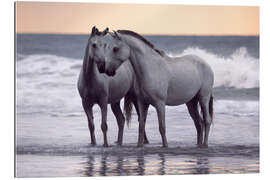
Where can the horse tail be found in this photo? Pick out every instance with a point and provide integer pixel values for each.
(128, 107)
(211, 109)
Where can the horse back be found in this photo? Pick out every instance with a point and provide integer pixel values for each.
(191, 65)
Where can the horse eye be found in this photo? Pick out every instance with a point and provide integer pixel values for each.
(94, 45)
(115, 49)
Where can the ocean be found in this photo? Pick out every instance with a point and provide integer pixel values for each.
(52, 137)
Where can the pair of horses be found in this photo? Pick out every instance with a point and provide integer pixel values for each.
(124, 64)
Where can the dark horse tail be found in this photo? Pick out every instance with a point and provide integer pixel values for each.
(211, 109)
(128, 106)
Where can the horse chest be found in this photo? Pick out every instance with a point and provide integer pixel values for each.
(95, 93)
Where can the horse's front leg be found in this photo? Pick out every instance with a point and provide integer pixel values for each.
(160, 107)
(120, 121)
(89, 112)
(103, 106)
(143, 109)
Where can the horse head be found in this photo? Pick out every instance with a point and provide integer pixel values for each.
(95, 49)
(118, 52)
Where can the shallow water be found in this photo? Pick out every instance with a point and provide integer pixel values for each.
(140, 164)
(61, 147)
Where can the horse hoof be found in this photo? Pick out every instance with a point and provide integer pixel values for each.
(146, 142)
(93, 144)
(118, 143)
(203, 146)
(105, 145)
(139, 145)
(165, 144)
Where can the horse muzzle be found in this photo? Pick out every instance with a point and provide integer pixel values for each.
(110, 72)
(101, 66)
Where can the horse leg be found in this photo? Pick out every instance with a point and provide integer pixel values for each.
(120, 121)
(194, 113)
(160, 107)
(204, 102)
(143, 108)
(89, 113)
(137, 110)
(104, 127)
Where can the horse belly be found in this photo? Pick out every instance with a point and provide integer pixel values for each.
(180, 96)
(182, 89)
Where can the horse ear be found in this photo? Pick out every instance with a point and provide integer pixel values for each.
(116, 35)
(105, 31)
(110, 33)
(94, 30)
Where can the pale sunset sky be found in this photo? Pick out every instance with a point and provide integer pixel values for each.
(78, 18)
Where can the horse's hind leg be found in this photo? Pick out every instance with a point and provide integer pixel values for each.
(194, 113)
(204, 102)
(120, 121)
(137, 110)
(160, 107)
(88, 110)
(143, 108)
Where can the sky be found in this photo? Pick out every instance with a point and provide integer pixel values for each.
(149, 19)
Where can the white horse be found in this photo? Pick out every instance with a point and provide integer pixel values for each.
(164, 81)
(96, 88)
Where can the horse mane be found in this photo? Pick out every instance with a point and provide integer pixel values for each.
(136, 35)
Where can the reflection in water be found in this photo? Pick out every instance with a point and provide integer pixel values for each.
(108, 164)
(120, 169)
(103, 168)
(140, 160)
(159, 164)
(202, 165)
(89, 168)
(162, 164)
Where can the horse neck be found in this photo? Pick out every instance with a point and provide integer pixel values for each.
(90, 71)
(142, 58)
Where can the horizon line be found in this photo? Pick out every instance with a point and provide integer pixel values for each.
(145, 34)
